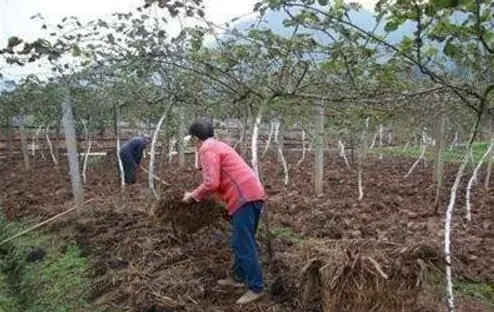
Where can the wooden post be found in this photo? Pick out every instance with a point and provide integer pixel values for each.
(439, 161)
(319, 146)
(71, 144)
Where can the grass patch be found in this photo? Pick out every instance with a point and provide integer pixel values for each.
(450, 156)
(59, 282)
(287, 233)
(476, 290)
(8, 303)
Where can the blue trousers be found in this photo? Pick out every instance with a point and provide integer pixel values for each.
(247, 263)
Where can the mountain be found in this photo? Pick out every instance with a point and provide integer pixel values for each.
(364, 19)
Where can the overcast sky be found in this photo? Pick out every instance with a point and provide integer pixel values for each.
(15, 18)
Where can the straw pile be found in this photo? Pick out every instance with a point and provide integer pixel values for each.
(362, 276)
(186, 218)
(141, 265)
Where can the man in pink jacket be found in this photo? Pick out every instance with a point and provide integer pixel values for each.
(228, 176)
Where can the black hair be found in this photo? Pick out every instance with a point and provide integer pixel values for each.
(202, 129)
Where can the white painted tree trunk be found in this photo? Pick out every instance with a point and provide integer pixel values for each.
(50, 146)
(341, 148)
(381, 141)
(490, 158)
(196, 159)
(319, 146)
(362, 153)
(473, 179)
(390, 137)
(303, 149)
(359, 176)
(34, 141)
(280, 152)
(455, 141)
(181, 135)
(171, 149)
(421, 157)
(25, 154)
(254, 143)
(270, 135)
(406, 146)
(119, 159)
(489, 170)
(447, 233)
(310, 148)
(374, 141)
(241, 139)
(71, 144)
(365, 136)
(245, 130)
(152, 155)
(88, 150)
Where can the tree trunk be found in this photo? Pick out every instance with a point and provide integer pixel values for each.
(88, 150)
(270, 135)
(490, 158)
(439, 160)
(152, 156)
(116, 121)
(242, 136)
(254, 143)
(381, 140)
(34, 141)
(71, 144)
(165, 144)
(245, 131)
(25, 154)
(447, 232)
(57, 137)
(365, 137)
(281, 157)
(361, 156)
(359, 174)
(50, 147)
(473, 179)
(319, 146)
(304, 149)
(181, 135)
(9, 134)
(421, 157)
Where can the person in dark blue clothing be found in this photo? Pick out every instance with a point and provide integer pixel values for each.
(131, 155)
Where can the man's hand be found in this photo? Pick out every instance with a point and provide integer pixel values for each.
(187, 197)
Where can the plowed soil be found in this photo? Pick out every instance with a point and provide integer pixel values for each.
(146, 263)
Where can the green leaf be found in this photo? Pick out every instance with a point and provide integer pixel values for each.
(391, 26)
(444, 4)
(323, 2)
(289, 22)
(13, 42)
(111, 38)
(76, 51)
(450, 49)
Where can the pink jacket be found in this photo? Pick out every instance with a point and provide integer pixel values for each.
(228, 175)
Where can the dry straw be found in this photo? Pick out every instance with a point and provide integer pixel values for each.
(363, 275)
